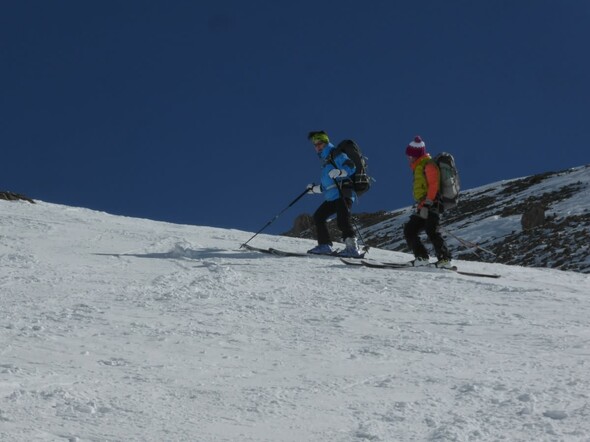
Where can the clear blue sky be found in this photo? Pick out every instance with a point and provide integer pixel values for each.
(197, 112)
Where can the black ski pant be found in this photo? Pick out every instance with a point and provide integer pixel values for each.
(340, 207)
(412, 230)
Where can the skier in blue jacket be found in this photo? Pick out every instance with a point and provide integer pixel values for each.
(339, 195)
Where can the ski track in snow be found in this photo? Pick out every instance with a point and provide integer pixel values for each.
(119, 329)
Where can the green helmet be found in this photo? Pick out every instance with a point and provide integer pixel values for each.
(318, 135)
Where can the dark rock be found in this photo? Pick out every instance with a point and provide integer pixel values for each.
(533, 217)
(11, 196)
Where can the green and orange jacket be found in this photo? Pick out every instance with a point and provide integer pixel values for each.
(426, 179)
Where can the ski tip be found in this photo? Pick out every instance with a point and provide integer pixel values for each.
(348, 260)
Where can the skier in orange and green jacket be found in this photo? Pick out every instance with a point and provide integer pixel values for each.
(426, 185)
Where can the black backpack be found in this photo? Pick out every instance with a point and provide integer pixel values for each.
(361, 181)
(450, 184)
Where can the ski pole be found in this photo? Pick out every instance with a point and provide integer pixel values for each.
(467, 243)
(276, 216)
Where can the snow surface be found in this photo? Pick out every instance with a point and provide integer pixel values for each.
(122, 329)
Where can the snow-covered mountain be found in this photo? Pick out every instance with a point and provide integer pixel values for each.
(491, 217)
(122, 329)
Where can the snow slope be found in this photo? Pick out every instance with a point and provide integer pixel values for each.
(121, 329)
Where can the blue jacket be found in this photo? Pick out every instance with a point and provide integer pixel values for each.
(342, 162)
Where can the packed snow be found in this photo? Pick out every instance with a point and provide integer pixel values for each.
(122, 329)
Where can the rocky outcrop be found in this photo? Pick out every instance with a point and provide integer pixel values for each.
(533, 217)
(11, 196)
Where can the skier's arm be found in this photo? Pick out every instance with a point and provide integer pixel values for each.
(345, 163)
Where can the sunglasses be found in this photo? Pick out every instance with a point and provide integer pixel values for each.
(317, 143)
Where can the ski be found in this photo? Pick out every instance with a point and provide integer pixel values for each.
(255, 249)
(272, 251)
(378, 264)
(277, 252)
(284, 253)
(477, 274)
(397, 265)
